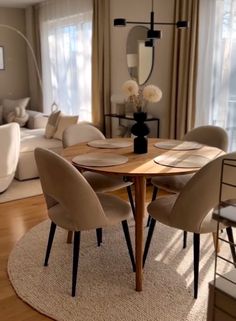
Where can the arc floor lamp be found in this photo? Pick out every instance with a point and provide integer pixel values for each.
(5, 26)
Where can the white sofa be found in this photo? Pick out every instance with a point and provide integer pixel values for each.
(32, 136)
(10, 148)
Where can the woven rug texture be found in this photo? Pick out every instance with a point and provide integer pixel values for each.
(105, 284)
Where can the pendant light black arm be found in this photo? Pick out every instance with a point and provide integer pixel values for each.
(152, 34)
(121, 22)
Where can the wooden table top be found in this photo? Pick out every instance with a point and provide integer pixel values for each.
(140, 164)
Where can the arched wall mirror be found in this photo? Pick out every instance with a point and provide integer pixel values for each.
(139, 57)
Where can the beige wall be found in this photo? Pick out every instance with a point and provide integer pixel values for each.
(161, 75)
(14, 79)
(34, 84)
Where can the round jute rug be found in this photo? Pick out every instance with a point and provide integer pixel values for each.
(105, 285)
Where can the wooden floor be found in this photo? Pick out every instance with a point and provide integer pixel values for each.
(16, 218)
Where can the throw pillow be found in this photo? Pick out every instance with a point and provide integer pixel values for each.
(64, 122)
(9, 105)
(52, 124)
(19, 115)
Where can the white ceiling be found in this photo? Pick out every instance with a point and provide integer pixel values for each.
(18, 3)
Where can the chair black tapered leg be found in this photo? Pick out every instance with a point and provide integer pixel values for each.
(231, 239)
(185, 235)
(149, 238)
(99, 236)
(154, 193)
(148, 221)
(129, 244)
(131, 200)
(75, 261)
(50, 241)
(154, 196)
(196, 255)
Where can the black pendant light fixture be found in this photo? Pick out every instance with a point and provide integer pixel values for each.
(152, 34)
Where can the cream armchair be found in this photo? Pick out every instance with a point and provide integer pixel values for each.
(10, 149)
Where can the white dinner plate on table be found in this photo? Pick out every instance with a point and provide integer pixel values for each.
(190, 161)
(178, 145)
(109, 143)
(100, 159)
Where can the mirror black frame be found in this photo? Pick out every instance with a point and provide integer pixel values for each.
(145, 29)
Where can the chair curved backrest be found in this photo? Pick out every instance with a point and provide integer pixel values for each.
(209, 135)
(63, 185)
(193, 207)
(80, 133)
(10, 149)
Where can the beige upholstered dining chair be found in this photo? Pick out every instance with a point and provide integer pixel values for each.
(73, 205)
(10, 149)
(85, 132)
(82, 133)
(191, 209)
(208, 135)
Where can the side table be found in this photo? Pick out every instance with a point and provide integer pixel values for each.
(130, 117)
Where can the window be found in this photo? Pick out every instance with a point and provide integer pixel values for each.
(216, 97)
(66, 60)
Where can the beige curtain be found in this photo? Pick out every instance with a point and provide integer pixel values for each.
(32, 33)
(100, 62)
(183, 96)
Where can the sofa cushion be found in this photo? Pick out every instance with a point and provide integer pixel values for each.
(19, 115)
(51, 126)
(36, 119)
(32, 138)
(9, 105)
(64, 122)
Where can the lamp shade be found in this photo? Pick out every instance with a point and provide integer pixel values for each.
(154, 34)
(149, 43)
(132, 60)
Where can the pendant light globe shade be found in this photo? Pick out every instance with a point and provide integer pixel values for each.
(154, 34)
(120, 22)
(182, 24)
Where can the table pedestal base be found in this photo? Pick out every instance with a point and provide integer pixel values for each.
(140, 200)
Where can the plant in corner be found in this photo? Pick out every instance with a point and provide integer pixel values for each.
(138, 97)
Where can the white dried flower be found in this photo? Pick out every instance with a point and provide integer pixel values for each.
(138, 96)
(152, 93)
(130, 88)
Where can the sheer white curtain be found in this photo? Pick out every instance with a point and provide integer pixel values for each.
(216, 86)
(66, 33)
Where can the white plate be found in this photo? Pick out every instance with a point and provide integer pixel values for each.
(190, 161)
(109, 143)
(100, 159)
(178, 145)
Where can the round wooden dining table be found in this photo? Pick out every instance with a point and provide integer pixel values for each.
(140, 167)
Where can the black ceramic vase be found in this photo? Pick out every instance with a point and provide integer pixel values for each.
(140, 130)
